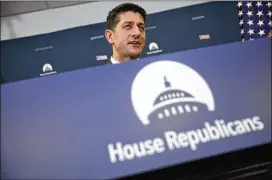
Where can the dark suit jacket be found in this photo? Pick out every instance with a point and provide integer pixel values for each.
(109, 61)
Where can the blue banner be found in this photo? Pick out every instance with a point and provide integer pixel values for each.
(174, 30)
(117, 120)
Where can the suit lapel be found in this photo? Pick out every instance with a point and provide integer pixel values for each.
(109, 61)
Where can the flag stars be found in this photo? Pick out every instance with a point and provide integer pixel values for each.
(269, 4)
(259, 3)
(260, 23)
(260, 13)
(249, 13)
(261, 32)
(249, 4)
(250, 31)
(269, 14)
(240, 4)
(240, 13)
(242, 31)
(254, 19)
(250, 22)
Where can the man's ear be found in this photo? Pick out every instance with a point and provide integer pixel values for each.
(109, 36)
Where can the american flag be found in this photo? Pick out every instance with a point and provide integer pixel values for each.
(101, 58)
(255, 19)
(204, 36)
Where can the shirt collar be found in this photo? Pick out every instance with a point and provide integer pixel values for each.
(114, 61)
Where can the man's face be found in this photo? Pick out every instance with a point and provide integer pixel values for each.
(129, 35)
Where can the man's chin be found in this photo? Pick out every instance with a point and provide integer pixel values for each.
(135, 54)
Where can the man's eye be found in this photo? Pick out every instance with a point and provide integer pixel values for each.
(127, 26)
(142, 28)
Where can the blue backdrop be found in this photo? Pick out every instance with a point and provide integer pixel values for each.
(174, 30)
(60, 126)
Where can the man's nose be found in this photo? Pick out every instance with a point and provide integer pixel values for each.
(136, 31)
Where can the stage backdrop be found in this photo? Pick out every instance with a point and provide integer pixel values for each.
(169, 31)
(112, 121)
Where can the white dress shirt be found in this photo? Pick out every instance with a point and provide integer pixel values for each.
(114, 61)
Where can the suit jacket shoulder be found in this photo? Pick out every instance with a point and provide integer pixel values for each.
(109, 61)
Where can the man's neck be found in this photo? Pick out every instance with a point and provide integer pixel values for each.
(122, 59)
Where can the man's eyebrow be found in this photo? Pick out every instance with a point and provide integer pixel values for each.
(141, 23)
(131, 22)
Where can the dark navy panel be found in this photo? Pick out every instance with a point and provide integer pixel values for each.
(77, 48)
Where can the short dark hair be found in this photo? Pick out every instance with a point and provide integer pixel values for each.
(113, 16)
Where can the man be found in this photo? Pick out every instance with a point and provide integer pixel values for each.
(269, 34)
(126, 32)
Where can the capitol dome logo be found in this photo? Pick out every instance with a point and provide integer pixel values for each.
(47, 70)
(166, 90)
(153, 46)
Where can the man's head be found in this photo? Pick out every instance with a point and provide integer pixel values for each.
(126, 31)
(269, 34)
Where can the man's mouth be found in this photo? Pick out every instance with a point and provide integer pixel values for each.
(135, 43)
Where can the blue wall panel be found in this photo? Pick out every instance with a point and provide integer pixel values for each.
(77, 48)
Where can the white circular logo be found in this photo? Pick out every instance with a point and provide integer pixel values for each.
(47, 68)
(166, 89)
(153, 46)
